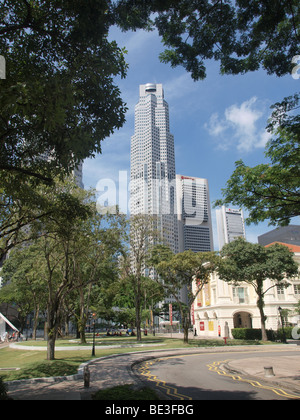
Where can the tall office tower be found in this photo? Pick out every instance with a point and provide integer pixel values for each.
(194, 214)
(152, 176)
(230, 225)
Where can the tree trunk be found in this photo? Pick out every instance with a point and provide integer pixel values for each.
(185, 325)
(82, 319)
(138, 318)
(260, 305)
(137, 290)
(53, 322)
(35, 322)
(51, 347)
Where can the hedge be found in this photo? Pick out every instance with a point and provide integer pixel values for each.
(255, 334)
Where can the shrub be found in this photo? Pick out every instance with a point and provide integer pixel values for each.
(246, 333)
(255, 334)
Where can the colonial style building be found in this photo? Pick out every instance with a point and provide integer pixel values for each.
(220, 303)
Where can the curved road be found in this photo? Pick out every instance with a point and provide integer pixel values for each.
(204, 377)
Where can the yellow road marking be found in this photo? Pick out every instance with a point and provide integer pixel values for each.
(214, 367)
(171, 391)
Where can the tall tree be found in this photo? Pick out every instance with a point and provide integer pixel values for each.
(177, 271)
(271, 191)
(24, 284)
(142, 234)
(254, 264)
(58, 99)
(242, 35)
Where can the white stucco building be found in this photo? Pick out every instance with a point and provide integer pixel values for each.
(220, 302)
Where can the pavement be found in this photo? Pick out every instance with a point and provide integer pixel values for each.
(115, 370)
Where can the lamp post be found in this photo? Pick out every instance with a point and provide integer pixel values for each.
(280, 310)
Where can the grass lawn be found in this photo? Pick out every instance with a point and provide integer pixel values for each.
(33, 364)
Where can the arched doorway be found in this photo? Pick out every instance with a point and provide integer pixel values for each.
(242, 320)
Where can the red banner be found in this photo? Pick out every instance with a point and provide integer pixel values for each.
(193, 314)
(171, 313)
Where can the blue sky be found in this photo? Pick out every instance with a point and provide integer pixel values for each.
(215, 122)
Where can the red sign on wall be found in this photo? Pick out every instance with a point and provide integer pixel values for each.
(201, 325)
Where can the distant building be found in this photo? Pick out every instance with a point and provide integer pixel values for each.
(194, 214)
(152, 163)
(220, 302)
(286, 234)
(230, 225)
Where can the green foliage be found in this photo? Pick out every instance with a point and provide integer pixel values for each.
(271, 191)
(246, 333)
(58, 97)
(176, 271)
(242, 35)
(256, 334)
(254, 264)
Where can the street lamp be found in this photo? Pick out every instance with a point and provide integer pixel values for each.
(280, 310)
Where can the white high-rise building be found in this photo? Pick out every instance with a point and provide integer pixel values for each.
(194, 214)
(230, 225)
(152, 176)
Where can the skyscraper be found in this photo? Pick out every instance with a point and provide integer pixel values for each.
(194, 214)
(230, 225)
(152, 175)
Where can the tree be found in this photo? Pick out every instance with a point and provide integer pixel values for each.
(58, 99)
(124, 298)
(177, 271)
(94, 262)
(271, 191)
(142, 234)
(254, 264)
(242, 35)
(24, 206)
(24, 284)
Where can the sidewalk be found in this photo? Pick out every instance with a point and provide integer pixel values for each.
(286, 369)
(115, 370)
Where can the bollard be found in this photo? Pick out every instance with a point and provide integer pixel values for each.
(86, 376)
(269, 373)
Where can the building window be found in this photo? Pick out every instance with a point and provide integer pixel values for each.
(297, 289)
(280, 292)
(240, 295)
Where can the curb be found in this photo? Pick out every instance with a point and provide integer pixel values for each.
(79, 375)
(285, 384)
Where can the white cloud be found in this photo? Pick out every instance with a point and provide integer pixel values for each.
(241, 126)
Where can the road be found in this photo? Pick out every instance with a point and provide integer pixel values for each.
(203, 377)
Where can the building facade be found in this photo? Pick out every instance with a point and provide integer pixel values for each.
(220, 303)
(287, 234)
(230, 225)
(194, 214)
(152, 156)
